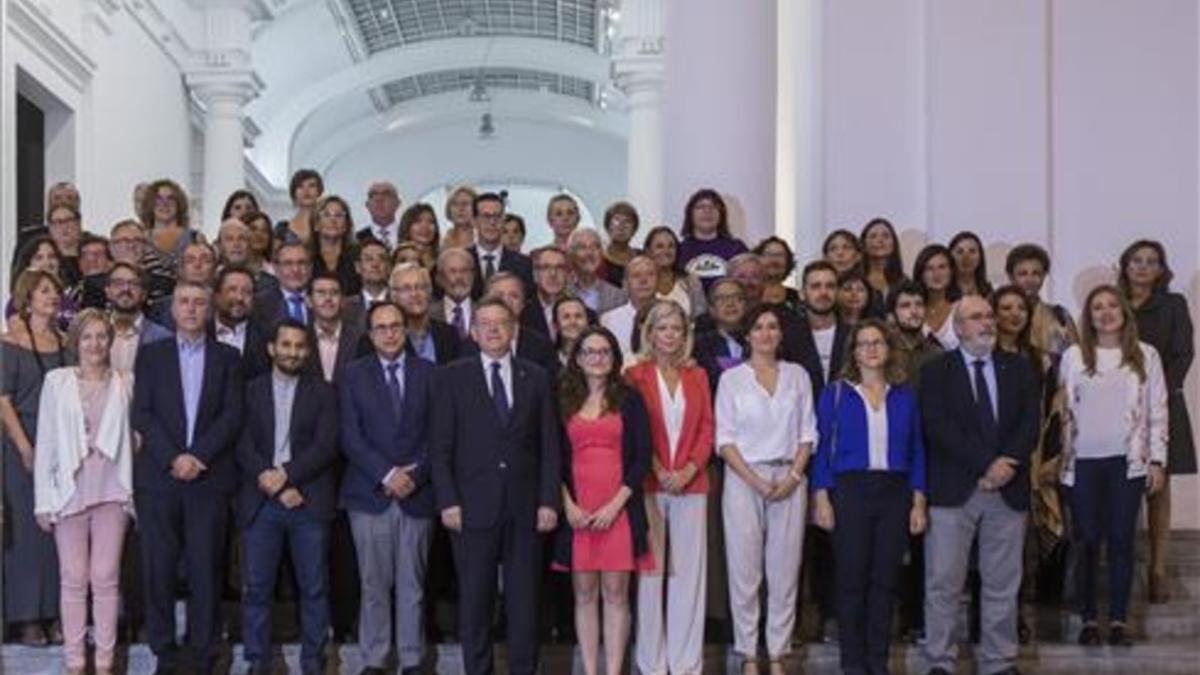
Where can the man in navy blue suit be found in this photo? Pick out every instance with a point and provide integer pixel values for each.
(496, 474)
(187, 405)
(488, 250)
(287, 494)
(385, 400)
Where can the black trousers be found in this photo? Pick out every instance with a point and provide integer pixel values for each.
(177, 526)
(869, 538)
(517, 549)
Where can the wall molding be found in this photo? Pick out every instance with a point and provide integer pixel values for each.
(28, 24)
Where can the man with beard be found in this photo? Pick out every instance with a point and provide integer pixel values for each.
(287, 495)
(980, 409)
(906, 309)
(456, 279)
(232, 303)
(126, 294)
(820, 348)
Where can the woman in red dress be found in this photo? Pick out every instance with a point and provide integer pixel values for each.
(607, 457)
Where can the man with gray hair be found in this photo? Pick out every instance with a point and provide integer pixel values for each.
(980, 408)
(383, 201)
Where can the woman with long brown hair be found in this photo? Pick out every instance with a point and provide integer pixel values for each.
(332, 248)
(31, 348)
(1114, 449)
(881, 261)
(164, 213)
(605, 462)
(419, 226)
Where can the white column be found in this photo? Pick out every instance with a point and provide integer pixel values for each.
(799, 159)
(719, 109)
(224, 99)
(638, 72)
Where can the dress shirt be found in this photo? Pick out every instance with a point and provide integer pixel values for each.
(467, 310)
(505, 374)
(287, 303)
(327, 349)
(370, 300)
(234, 336)
(387, 233)
(877, 431)
(765, 427)
(284, 387)
(123, 351)
(423, 345)
(590, 296)
(673, 409)
(620, 321)
(385, 364)
(989, 376)
(733, 344)
(494, 254)
(191, 376)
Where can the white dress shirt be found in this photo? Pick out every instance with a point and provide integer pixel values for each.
(765, 427)
(234, 336)
(285, 395)
(506, 374)
(877, 430)
(620, 321)
(448, 305)
(673, 408)
(327, 349)
(388, 233)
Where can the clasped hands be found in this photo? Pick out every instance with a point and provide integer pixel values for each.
(399, 483)
(674, 482)
(999, 473)
(776, 491)
(273, 482)
(187, 467)
(600, 519)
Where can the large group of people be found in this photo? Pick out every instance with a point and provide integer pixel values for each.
(381, 423)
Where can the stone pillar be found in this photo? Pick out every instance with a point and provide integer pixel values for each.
(719, 100)
(638, 72)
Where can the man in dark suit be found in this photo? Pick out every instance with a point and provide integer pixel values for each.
(385, 404)
(496, 473)
(722, 346)
(187, 405)
(293, 267)
(980, 408)
(338, 338)
(488, 250)
(529, 345)
(287, 495)
(551, 270)
(233, 303)
(373, 265)
(383, 201)
(411, 289)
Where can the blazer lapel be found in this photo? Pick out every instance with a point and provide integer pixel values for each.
(175, 384)
(209, 381)
(485, 396)
(268, 418)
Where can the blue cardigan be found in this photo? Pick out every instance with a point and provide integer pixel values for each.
(906, 448)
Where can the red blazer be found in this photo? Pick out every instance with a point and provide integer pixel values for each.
(696, 435)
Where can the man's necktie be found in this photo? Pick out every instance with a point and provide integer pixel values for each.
(395, 388)
(499, 395)
(459, 322)
(296, 306)
(489, 266)
(983, 406)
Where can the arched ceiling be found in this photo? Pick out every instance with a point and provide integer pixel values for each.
(339, 71)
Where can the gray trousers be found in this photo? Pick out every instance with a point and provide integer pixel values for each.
(392, 548)
(1001, 532)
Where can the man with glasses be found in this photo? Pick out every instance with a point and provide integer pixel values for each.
(385, 405)
(551, 271)
(126, 295)
(488, 250)
(980, 409)
(293, 267)
(412, 291)
(382, 203)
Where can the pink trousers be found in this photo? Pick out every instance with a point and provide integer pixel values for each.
(89, 553)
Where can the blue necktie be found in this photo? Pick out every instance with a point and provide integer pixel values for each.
(499, 395)
(396, 389)
(296, 306)
(983, 405)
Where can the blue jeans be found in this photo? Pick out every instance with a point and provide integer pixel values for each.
(1105, 507)
(307, 539)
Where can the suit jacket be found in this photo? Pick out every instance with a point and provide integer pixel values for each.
(531, 346)
(349, 348)
(695, 434)
(269, 309)
(711, 351)
(158, 415)
(800, 347)
(313, 437)
(374, 440)
(510, 261)
(255, 359)
(534, 319)
(608, 296)
(446, 345)
(956, 454)
(494, 471)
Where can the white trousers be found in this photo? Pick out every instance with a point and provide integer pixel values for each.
(679, 527)
(763, 534)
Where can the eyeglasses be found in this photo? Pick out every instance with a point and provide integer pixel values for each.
(595, 353)
(120, 284)
(387, 328)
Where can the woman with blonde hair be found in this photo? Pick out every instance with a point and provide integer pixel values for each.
(31, 348)
(1114, 449)
(83, 484)
(679, 404)
(460, 209)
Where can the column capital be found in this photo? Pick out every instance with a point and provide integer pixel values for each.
(638, 74)
(216, 84)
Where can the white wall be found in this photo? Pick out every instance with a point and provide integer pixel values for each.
(1072, 123)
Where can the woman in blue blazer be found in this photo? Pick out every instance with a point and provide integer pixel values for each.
(869, 479)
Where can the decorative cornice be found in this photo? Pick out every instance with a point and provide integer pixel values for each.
(27, 23)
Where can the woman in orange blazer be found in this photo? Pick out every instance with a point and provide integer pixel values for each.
(679, 402)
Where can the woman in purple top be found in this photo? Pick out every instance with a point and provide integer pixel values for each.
(707, 245)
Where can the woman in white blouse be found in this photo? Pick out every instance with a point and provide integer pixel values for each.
(1114, 449)
(765, 432)
(83, 484)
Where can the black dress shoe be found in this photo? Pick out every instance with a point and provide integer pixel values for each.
(1090, 635)
(1118, 636)
(938, 671)
(411, 670)
(372, 671)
